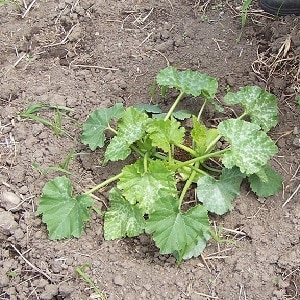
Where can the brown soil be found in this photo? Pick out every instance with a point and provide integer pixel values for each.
(89, 54)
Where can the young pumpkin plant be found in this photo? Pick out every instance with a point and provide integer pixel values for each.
(147, 195)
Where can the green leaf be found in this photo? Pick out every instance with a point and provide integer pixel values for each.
(190, 82)
(217, 195)
(268, 185)
(251, 148)
(179, 115)
(176, 231)
(131, 128)
(96, 124)
(63, 214)
(202, 136)
(260, 105)
(146, 188)
(164, 133)
(196, 250)
(182, 114)
(122, 219)
(149, 108)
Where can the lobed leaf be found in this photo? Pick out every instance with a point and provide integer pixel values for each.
(190, 82)
(260, 105)
(175, 231)
(163, 133)
(217, 195)
(63, 214)
(202, 136)
(145, 188)
(149, 108)
(131, 128)
(267, 185)
(250, 149)
(96, 124)
(122, 219)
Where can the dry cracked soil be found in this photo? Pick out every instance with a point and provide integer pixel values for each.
(88, 54)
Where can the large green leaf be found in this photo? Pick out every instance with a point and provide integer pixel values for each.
(202, 136)
(190, 82)
(96, 124)
(251, 148)
(122, 219)
(146, 188)
(260, 105)
(131, 128)
(164, 133)
(217, 195)
(175, 231)
(267, 184)
(63, 214)
(196, 250)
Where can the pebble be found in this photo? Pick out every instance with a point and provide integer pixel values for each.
(119, 280)
(296, 142)
(10, 201)
(8, 225)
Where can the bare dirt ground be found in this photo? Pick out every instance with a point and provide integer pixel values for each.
(88, 54)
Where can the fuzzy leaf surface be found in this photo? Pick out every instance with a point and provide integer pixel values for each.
(122, 219)
(268, 185)
(176, 231)
(149, 108)
(146, 188)
(96, 124)
(63, 214)
(260, 105)
(251, 148)
(196, 250)
(131, 128)
(164, 133)
(202, 136)
(217, 195)
(190, 82)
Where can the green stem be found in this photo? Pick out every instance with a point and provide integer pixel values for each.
(112, 129)
(212, 144)
(103, 184)
(210, 168)
(187, 149)
(137, 150)
(242, 116)
(198, 159)
(146, 162)
(187, 185)
(201, 110)
(170, 112)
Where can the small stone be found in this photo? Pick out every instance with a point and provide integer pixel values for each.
(296, 142)
(4, 280)
(19, 234)
(57, 100)
(8, 225)
(10, 201)
(119, 280)
(65, 289)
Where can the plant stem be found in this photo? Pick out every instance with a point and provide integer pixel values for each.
(198, 159)
(174, 106)
(187, 149)
(201, 110)
(242, 116)
(146, 162)
(111, 129)
(187, 185)
(212, 144)
(103, 184)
